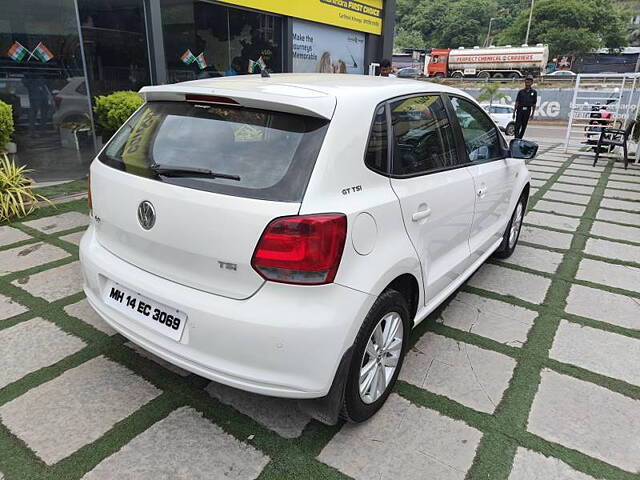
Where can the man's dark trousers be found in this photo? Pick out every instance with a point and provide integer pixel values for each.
(522, 119)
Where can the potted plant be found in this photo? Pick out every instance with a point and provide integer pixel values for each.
(17, 198)
(113, 110)
(6, 128)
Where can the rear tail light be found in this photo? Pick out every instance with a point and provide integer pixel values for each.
(302, 250)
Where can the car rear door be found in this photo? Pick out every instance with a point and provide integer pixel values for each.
(435, 190)
(494, 174)
(226, 173)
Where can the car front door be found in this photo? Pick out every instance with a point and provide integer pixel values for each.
(494, 173)
(436, 192)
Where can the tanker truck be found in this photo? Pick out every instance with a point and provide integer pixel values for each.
(495, 62)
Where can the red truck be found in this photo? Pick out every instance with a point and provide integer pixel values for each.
(496, 62)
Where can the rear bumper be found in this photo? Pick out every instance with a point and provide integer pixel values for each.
(284, 341)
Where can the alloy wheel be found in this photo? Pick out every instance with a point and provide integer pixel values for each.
(516, 224)
(380, 358)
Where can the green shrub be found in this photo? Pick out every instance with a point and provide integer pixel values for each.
(114, 109)
(17, 198)
(6, 124)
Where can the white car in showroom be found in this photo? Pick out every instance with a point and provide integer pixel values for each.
(284, 234)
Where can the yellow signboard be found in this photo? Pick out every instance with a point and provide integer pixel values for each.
(361, 15)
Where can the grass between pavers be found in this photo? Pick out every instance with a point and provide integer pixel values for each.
(513, 410)
(295, 458)
(67, 188)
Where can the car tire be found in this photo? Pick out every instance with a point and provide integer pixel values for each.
(390, 310)
(512, 233)
(484, 75)
(457, 75)
(510, 129)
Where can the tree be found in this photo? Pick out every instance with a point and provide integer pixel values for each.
(443, 23)
(569, 27)
(408, 39)
(490, 92)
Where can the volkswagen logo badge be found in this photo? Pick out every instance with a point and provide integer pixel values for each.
(146, 215)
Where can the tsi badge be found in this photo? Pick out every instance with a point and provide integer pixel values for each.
(146, 215)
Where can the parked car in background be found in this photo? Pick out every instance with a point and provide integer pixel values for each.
(503, 116)
(71, 102)
(266, 235)
(408, 72)
(561, 73)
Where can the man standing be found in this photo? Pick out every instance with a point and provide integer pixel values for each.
(525, 107)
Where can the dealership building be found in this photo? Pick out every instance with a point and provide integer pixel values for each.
(56, 55)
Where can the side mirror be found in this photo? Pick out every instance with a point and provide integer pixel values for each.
(519, 148)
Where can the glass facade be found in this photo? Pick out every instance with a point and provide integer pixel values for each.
(57, 55)
(115, 45)
(42, 77)
(204, 40)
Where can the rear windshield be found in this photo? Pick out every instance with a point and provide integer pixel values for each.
(269, 154)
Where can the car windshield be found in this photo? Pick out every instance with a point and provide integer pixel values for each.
(272, 153)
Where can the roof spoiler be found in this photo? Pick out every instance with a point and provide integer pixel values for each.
(321, 106)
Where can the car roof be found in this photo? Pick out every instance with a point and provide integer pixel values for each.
(309, 93)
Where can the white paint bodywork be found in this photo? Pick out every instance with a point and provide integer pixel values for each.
(277, 339)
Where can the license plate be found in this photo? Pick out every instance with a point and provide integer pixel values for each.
(157, 316)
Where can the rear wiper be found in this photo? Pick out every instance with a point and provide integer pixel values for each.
(168, 171)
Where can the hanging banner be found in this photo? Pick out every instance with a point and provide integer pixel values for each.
(361, 15)
(322, 49)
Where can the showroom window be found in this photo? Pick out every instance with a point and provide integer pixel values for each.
(203, 40)
(115, 45)
(42, 77)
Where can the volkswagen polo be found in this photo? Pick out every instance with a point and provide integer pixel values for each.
(283, 235)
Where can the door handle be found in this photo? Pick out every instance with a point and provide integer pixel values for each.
(421, 214)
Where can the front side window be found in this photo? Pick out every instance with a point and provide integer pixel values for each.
(422, 137)
(481, 138)
(376, 155)
(256, 153)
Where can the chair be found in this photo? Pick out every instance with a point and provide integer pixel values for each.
(614, 137)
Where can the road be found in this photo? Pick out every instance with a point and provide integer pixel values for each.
(550, 131)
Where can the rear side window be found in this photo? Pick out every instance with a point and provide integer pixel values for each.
(422, 136)
(377, 148)
(270, 155)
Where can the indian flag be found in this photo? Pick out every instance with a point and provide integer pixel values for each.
(256, 66)
(201, 61)
(17, 51)
(43, 53)
(188, 57)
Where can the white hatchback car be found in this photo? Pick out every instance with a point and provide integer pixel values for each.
(283, 235)
(503, 116)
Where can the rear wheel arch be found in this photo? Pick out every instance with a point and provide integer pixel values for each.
(407, 285)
